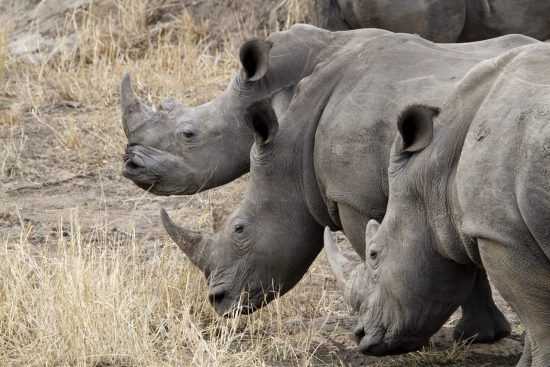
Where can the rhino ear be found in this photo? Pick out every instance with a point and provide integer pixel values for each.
(169, 104)
(261, 118)
(415, 126)
(218, 219)
(254, 56)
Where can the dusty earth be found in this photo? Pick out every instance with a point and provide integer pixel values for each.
(49, 184)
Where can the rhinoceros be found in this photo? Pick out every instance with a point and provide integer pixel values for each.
(469, 188)
(183, 150)
(326, 164)
(437, 20)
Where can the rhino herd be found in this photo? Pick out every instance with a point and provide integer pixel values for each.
(432, 158)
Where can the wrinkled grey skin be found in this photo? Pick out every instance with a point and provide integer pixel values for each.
(326, 165)
(437, 20)
(181, 150)
(469, 188)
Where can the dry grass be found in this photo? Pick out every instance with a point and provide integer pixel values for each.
(4, 36)
(90, 299)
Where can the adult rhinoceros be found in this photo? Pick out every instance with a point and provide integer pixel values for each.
(326, 165)
(437, 20)
(184, 150)
(468, 191)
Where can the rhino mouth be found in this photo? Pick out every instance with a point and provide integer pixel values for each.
(131, 169)
(380, 343)
(238, 306)
(134, 169)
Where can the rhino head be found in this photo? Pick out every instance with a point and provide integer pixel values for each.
(408, 286)
(266, 245)
(184, 150)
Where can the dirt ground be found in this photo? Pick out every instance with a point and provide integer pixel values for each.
(49, 183)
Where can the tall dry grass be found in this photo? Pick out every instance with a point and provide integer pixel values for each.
(90, 299)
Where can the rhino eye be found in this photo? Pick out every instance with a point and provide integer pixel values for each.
(239, 228)
(373, 254)
(187, 131)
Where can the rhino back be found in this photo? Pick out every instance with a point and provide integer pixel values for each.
(503, 175)
(357, 127)
(491, 18)
(295, 53)
(436, 20)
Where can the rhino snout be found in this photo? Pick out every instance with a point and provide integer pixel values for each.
(359, 333)
(377, 343)
(216, 297)
(131, 168)
(370, 343)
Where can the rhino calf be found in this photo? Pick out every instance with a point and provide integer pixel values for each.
(470, 190)
(437, 20)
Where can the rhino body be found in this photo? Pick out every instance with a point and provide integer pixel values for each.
(470, 190)
(180, 150)
(437, 20)
(326, 166)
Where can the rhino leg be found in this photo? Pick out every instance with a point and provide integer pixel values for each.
(481, 318)
(522, 276)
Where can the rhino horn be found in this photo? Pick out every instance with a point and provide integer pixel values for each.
(190, 242)
(339, 263)
(134, 113)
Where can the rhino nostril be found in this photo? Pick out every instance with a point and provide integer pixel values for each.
(216, 297)
(359, 333)
(131, 166)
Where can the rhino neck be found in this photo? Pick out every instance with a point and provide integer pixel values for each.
(451, 129)
(235, 140)
(309, 104)
(294, 55)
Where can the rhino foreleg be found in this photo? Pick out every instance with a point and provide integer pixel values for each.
(481, 318)
(523, 279)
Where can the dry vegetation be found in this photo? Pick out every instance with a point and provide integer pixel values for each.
(86, 300)
(83, 294)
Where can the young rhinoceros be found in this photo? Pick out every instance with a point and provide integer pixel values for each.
(437, 20)
(181, 150)
(326, 164)
(470, 191)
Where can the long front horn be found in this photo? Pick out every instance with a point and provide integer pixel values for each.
(134, 113)
(339, 263)
(190, 242)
